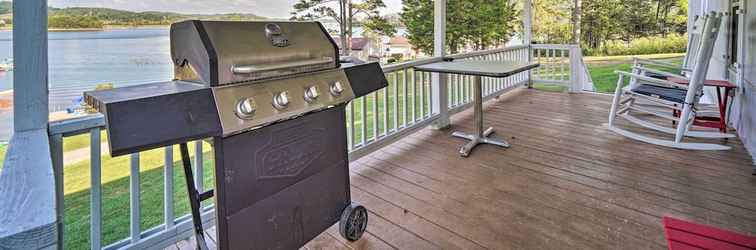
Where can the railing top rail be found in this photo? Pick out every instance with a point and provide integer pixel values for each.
(405, 65)
(554, 46)
(75, 126)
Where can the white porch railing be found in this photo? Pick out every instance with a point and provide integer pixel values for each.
(558, 62)
(372, 122)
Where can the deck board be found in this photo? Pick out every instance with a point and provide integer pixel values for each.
(566, 183)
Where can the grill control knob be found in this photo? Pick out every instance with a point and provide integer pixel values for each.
(245, 108)
(336, 88)
(311, 94)
(281, 100)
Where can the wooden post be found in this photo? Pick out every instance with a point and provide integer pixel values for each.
(28, 216)
(440, 88)
(30, 75)
(527, 36)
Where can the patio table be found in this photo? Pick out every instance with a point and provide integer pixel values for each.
(478, 69)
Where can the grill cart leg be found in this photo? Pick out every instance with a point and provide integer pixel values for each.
(195, 198)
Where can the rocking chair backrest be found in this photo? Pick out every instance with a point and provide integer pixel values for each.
(702, 60)
(694, 42)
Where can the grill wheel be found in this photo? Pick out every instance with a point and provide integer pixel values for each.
(353, 222)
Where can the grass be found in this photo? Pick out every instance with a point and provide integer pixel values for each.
(604, 78)
(116, 196)
(80, 141)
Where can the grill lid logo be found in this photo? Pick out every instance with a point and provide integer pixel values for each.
(275, 35)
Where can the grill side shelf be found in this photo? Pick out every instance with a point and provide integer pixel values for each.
(365, 78)
(155, 115)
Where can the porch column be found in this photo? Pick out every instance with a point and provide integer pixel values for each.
(27, 181)
(527, 33)
(527, 22)
(440, 92)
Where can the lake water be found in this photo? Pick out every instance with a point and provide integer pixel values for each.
(81, 60)
(78, 61)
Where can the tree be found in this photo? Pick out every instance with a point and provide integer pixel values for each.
(552, 22)
(349, 11)
(478, 24)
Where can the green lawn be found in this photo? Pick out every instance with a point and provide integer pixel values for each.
(116, 196)
(604, 78)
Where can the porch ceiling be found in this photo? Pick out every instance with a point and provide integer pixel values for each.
(565, 183)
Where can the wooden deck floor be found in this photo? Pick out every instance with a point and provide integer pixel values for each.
(566, 183)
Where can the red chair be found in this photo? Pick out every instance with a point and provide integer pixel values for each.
(683, 235)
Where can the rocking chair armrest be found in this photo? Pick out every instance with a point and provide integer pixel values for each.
(659, 72)
(641, 61)
(651, 80)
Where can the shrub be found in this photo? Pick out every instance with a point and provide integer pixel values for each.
(642, 46)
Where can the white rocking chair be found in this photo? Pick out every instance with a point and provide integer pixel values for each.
(667, 94)
(641, 66)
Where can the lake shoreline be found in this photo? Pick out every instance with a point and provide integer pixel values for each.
(106, 28)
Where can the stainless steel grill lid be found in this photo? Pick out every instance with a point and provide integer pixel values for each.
(233, 77)
(220, 52)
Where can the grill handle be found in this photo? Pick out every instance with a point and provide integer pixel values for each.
(249, 69)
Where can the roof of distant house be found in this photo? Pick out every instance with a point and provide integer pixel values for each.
(399, 40)
(358, 43)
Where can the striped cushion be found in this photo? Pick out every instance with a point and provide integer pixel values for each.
(664, 93)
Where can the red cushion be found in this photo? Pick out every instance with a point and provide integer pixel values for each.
(687, 235)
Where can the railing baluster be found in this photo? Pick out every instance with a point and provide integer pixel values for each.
(466, 87)
(351, 122)
(430, 94)
(199, 167)
(385, 111)
(459, 90)
(452, 90)
(422, 94)
(405, 97)
(396, 101)
(95, 194)
(135, 200)
(375, 115)
(168, 216)
(414, 96)
(564, 72)
(56, 148)
(363, 119)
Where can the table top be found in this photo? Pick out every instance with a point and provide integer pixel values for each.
(479, 68)
(711, 83)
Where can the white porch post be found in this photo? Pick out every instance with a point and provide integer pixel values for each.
(27, 181)
(440, 92)
(527, 33)
(527, 22)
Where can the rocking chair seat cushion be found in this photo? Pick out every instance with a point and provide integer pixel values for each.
(665, 93)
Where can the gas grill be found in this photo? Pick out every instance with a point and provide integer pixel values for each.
(270, 97)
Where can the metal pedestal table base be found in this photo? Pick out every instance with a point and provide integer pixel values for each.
(475, 140)
(479, 136)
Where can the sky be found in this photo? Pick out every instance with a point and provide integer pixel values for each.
(267, 8)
